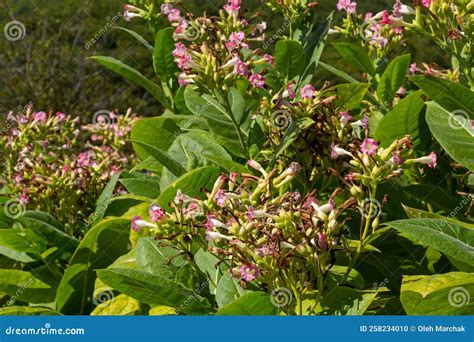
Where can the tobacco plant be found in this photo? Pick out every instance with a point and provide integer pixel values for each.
(263, 190)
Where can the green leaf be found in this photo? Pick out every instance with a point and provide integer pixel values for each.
(105, 198)
(104, 243)
(228, 290)
(405, 118)
(157, 259)
(224, 163)
(290, 58)
(450, 95)
(208, 265)
(339, 73)
(453, 132)
(163, 60)
(154, 290)
(142, 185)
(392, 78)
(133, 75)
(137, 37)
(185, 150)
(192, 184)
(220, 121)
(419, 214)
(292, 133)
(345, 301)
(26, 286)
(237, 104)
(159, 132)
(446, 237)
(21, 244)
(440, 294)
(357, 56)
(45, 227)
(121, 305)
(337, 274)
(27, 311)
(350, 95)
(252, 303)
(163, 158)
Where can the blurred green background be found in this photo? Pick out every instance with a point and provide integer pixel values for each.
(49, 66)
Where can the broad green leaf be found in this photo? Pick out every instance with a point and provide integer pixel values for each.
(27, 311)
(237, 104)
(163, 60)
(133, 75)
(26, 286)
(227, 164)
(414, 213)
(446, 237)
(220, 121)
(192, 183)
(121, 305)
(104, 199)
(157, 257)
(154, 290)
(292, 133)
(104, 243)
(453, 132)
(185, 150)
(228, 290)
(356, 56)
(350, 95)
(336, 275)
(439, 294)
(251, 303)
(449, 95)
(345, 301)
(208, 265)
(290, 58)
(137, 37)
(21, 244)
(159, 132)
(141, 184)
(404, 119)
(392, 78)
(163, 158)
(45, 227)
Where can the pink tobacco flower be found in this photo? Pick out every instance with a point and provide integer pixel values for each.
(431, 160)
(156, 213)
(385, 18)
(290, 91)
(265, 250)
(269, 58)
(308, 91)
(345, 118)
(166, 8)
(220, 198)
(426, 3)
(18, 178)
(396, 159)
(232, 7)
(413, 68)
(39, 117)
(322, 241)
(236, 40)
(257, 80)
(249, 272)
(369, 147)
(348, 5)
(174, 15)
(241, 68)
(138, 223)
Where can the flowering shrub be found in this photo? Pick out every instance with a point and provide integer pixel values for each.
(56, 165)
(263, 191)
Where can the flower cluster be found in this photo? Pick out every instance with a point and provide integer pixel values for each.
(55, 164)
(215, 52)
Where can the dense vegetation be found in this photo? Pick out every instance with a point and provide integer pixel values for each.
(317, 163)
